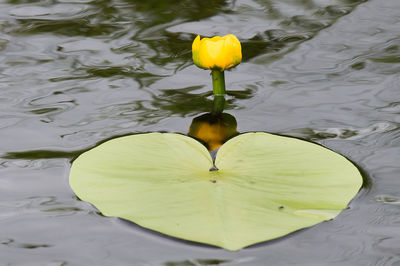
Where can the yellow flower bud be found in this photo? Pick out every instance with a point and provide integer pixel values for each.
(217, 53)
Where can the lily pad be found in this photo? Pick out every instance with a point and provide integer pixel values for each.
(266, 186)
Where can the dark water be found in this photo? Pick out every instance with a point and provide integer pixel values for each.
(73, 73)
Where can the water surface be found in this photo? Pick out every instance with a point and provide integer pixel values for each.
(73, 73)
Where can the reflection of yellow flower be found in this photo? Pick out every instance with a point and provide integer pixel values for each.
(213, 129)
(217, 53)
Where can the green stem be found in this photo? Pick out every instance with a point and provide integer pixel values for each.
(218, 104)
(218, 81)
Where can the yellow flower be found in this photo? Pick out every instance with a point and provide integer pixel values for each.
(217, 53)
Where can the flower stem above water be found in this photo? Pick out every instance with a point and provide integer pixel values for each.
(218, 81)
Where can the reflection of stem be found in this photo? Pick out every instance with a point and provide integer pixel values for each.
(218, 81)
(218, 104)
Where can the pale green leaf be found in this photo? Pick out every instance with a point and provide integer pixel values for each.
(267, 186)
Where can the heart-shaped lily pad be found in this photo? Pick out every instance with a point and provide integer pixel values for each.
(266, 186)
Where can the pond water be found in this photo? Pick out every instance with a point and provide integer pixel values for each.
(77, 72)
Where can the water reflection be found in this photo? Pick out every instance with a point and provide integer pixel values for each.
(14, 243)
(197, 262)
(139, 37)
(215, 128)
(182, 102)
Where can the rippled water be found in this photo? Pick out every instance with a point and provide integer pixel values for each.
(74, 73)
